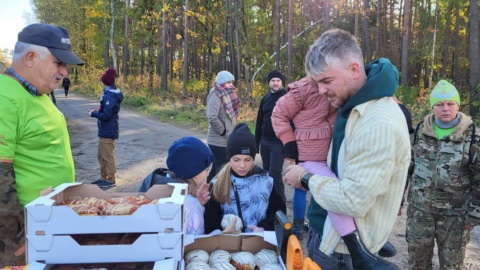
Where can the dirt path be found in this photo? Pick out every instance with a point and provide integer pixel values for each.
(143, 146)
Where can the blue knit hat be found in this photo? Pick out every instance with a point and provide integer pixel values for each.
(224, 77)
(188, 157)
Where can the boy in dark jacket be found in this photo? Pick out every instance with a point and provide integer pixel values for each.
(107, 114)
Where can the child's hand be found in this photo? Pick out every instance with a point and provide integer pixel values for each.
(203, 194)
(231, 228)
(255, 228)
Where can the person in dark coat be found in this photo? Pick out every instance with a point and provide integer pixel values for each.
(108, 132)
(66, 85)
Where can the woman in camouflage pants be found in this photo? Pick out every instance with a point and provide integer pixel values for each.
(444, 192)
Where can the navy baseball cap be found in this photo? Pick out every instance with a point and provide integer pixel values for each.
(54, 38)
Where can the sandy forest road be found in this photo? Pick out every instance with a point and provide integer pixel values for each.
(143, 146)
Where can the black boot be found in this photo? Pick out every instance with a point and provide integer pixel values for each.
(388, 250)
(362, 259)
(297, 228)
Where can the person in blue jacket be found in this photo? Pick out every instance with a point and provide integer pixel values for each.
(107, 114)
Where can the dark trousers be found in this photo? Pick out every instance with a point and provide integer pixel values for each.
(220, 156)
(66, 90)
(336, 261)
(271, 151)
(52, 95)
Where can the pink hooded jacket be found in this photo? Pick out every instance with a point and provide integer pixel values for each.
(312, 116)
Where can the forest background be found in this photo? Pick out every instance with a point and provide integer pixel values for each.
(168, 52)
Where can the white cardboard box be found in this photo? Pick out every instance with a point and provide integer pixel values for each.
(43, 216)
(168, 264)
(252, 242)
(63, 249)
(49, 227)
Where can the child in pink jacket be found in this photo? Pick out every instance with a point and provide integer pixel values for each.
(313, 119)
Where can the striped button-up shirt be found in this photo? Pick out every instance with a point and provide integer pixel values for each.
(372, 169)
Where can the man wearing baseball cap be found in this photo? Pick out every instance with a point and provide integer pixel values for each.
(34, 143)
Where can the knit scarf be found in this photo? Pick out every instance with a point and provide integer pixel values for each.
(230, 100)
(382, 81)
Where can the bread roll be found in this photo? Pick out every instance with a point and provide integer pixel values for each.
(243, 260)
(120, 209)
(197, 265)
(197, 255)
(266, 256)
(101, 204)
(227, 219)
(138, 200)
(219, 256)
(222, 266)
(84, 210)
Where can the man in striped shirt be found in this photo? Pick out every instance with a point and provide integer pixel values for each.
(369, 154)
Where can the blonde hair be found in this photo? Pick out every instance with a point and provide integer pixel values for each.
(192, 186)
(221, 189)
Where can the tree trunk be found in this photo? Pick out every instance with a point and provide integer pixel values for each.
(164, 50)
(106, 59)
(446, 41)
(377, 28)
(367, 51)
(237, 42)
(185, 52)
(126, 53)
(437, 9)
(405, 33)
(290, 42)
(246, 49)
(473, 55)
(457, 43)
(112, 31)
(357, 16)
(326, 15)
(277, 31)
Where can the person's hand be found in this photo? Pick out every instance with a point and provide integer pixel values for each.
(203, 194)
(20, 251)
(255, 228)
(90, 112)
(468, 227)
(231, 228)
(290, 161)
(293, 175)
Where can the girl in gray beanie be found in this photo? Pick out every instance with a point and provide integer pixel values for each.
(222, 111)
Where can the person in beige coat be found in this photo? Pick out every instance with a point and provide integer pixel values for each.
(222, 111)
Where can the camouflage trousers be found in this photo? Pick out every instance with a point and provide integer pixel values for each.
(12, 229)
(7, 252)
(448, 231)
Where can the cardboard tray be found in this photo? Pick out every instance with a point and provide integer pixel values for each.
(168, 264)
(252, 242)
(44, 217)
(63, 249)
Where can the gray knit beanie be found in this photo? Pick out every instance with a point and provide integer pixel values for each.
(224, 77)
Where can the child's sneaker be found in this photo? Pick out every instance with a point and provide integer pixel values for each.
(104, 184)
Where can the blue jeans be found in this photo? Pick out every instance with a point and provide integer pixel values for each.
(272, 158)
(299, 203)
(336, 261)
